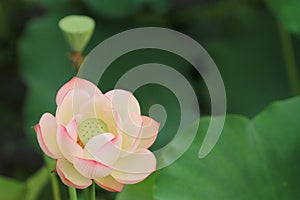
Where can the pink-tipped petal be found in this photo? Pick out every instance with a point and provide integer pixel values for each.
(148, 133)
(70, 176)
(134, 167)
(46, 132)
(104, 148)
(70, 105)
(91, 168)
(77, 83)
(72, 128)
(131, 138)
(67, 144)
(127, 106)
(109, 183)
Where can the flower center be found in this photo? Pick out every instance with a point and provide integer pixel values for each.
(90, 128)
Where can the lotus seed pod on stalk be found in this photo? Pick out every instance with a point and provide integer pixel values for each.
(77, 30)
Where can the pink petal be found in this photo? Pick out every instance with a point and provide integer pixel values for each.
(127, 106)
(46, 132)
(70, 105)
(99, 106)
(67, 144)
(109, 183)
(91, 168)
(77, 83)
(70, 176)
(104, 148)
(72, 128)
(131, 137)
(134, 167)
(148, 133)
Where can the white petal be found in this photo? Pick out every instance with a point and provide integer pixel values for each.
(99, 106)
(68, 145)
(76, 83)
(109, 183)
(134, 167)
(70, 105)
(70, 176)
(46, 132)
(91, 168)
(104, 148)
(131, 137)
(127, 107)
(124, 101)
(72, 128)
(148, 133)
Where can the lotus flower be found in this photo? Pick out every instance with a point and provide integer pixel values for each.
(96, 136)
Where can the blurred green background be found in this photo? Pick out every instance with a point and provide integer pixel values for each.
(255, 44)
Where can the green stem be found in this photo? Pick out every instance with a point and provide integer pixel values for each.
(86, 194)
(55, 187)
(72, 193)
(54, 183)
(290, 61)
(93, 192)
